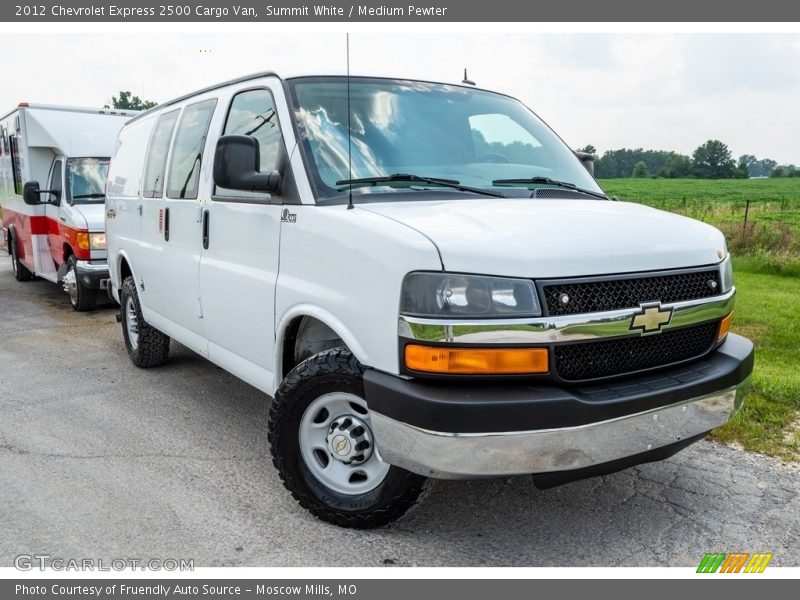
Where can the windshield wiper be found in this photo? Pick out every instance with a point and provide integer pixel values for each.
(81, 196)
(408, 177)
(548, 181)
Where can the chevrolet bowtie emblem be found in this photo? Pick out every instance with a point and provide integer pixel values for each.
(650, 318)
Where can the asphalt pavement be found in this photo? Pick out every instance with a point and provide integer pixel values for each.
(100, 459)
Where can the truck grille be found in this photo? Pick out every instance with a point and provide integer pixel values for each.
(615, 294)
(596, 359)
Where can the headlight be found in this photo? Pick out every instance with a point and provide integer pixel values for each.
(467, 296)
(97, 241)
(726, 274)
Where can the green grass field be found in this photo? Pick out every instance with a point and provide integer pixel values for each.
(767, 276)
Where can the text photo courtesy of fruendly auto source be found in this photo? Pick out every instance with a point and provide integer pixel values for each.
(491, 300)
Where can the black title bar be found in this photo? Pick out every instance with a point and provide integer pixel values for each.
(395, 11)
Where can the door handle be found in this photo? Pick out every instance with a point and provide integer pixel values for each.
(206, 219)
(166, 224)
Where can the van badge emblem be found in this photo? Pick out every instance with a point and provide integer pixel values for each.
(288, 217)
(111, 213)
(651, 318)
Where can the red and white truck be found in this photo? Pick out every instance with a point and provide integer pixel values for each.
(56, 230)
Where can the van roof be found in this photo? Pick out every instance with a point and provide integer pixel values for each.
(74, 109)
(261, 74)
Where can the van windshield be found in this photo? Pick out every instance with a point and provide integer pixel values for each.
(86, 180)
(475, 138)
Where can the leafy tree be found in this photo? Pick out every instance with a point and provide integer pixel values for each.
(741, 171)
(776, 172)
(713, 160)
(129, 102)
(767, 165)
(640, 169)
(589, 149)
(678, 165)
(792, 171)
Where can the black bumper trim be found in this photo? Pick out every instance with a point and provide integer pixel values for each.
(92, 279)
(481, 407)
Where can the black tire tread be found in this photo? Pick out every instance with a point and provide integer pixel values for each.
(21, 273)
(337, 361)
(153, 349)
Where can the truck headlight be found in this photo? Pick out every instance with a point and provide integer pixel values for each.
(97, 241)
(467, 296)
(726, 274)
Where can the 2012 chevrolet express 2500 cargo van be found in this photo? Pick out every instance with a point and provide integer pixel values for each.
(477, 308)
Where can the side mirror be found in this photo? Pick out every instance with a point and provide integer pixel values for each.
(587, 160)
(236, 164)
(33, 195)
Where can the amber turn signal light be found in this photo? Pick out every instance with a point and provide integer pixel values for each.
(724, 326)
(476, 361)
(83, 240)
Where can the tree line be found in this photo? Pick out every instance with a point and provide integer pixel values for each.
(711, 160)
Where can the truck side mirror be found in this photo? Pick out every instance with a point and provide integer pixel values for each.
(236, 164)
(31, 194)
(587, 160)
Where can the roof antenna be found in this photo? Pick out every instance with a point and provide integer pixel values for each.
(467, 80)
(349, 133)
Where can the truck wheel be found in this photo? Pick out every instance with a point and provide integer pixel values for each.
(81, 297)
(324, 450)
(21, 272)
(146, 345)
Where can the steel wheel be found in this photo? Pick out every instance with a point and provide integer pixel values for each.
(70, 283)
(337, 444)
(131, 323)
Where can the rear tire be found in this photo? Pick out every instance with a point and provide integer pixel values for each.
(81, 297)
(21, 272)
(318, 412)
(147, 346)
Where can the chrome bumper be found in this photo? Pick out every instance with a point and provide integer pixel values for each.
(470, 455)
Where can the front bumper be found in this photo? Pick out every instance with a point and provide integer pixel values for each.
(92, 273)
(483, 430)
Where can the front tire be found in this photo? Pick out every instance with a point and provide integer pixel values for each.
(21, 272)
(323, 448)
(80, 297)
(147, 346)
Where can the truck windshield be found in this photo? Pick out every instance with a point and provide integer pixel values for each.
(475, 138)
(86, 180)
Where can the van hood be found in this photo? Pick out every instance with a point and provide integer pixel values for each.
(93, 214)
(556, 238)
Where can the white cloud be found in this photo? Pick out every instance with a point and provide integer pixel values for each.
(666, 91)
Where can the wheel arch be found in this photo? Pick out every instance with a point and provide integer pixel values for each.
(306, 330)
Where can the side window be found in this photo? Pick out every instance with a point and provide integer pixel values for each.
(153, 186)
(253, 113)
(56, 178)
(16, 166)
(187, 153)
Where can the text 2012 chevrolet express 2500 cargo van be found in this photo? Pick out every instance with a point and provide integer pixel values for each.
(477, 308)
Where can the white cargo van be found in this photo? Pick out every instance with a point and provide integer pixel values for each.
(57, 233)
(425, 278)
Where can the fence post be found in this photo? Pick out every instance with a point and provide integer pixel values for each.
(746, 212)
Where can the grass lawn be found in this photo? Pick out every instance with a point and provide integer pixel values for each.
(767, 311)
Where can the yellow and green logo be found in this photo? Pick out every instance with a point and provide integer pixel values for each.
(734, 562)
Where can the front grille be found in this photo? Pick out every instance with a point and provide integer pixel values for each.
(596, 359)
(630, 292)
